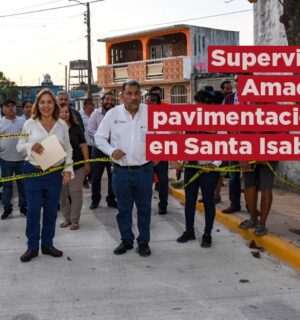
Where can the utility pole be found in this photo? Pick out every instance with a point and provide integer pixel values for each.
(87, 20)
(88, 23)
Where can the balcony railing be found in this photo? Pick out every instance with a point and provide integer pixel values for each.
(173, 68)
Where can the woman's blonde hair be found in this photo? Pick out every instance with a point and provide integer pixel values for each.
(36, 114)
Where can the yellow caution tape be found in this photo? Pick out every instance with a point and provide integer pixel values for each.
(282, 180)
(51, 170)
(9, 136)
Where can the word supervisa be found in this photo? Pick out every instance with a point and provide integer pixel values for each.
(220, 117)
(223, 147)
(241, 59)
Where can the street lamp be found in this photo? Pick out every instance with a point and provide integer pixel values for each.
(66, 75)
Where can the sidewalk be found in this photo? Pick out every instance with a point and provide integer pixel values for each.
(178, 281)
(283, 222)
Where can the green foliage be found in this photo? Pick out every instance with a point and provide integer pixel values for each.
(8, 89)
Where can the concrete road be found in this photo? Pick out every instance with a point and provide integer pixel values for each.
(178, 281)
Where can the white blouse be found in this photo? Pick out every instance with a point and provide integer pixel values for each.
(37, 133)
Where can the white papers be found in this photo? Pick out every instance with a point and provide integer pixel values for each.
(53, 153)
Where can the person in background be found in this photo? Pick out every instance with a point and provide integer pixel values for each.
(207, 181)
(43, 192)
(122, 136)
(161, 169)
(226, 88)
(88, 108)
(234, 177)
(261, 179)
(27, 109)
(63, 99)
(11, 161)
(108, 102)
(71, 193)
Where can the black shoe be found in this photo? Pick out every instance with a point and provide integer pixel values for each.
(112, 204)
(143, 250)
(230, 210)
(29, 254)
(186, 236)
(206, 241)
(94, 206)
(23, 210)
(6, 213)
(123, 247)
(162, 211)
(52, 251)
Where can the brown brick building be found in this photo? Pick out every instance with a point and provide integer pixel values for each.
(173, 58)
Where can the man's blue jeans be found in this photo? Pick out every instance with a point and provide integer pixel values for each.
(41, 192)
(133, 186)
(235, 187)
(10, 168)
(207, 182)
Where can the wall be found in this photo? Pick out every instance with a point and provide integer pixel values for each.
(269, 31)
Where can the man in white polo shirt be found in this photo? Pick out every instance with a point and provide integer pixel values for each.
(11, 161)
(125, 126)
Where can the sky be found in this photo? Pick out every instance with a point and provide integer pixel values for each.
(39, 43)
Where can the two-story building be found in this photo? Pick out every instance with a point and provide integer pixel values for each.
(173, 58)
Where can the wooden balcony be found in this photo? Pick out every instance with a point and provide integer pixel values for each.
(167, 69)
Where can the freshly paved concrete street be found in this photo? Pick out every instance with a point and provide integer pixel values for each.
(178, 281)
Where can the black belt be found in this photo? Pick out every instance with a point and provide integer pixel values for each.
(132, 167)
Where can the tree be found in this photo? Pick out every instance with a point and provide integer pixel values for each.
(8, 89)
(290, 19)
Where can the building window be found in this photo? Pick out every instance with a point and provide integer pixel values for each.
(179, 94)
(203, 43)
(162, 51)
(199, 44)
(195, 45)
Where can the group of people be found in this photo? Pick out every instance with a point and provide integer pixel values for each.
(118, 132)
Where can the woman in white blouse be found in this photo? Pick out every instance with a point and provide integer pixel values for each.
(43, 192)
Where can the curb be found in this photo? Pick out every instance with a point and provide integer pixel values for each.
(281, 248)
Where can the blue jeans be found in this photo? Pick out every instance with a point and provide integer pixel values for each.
(41, 192)
(207, 182)
(9, 168)
(161, 169)
(97, 172)
(133, 186)
(235, 187)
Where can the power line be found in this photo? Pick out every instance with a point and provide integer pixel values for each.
(180, 21)
(43, 10)
(37, 5)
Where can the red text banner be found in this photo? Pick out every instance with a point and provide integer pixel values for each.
(241, 117)
(243, 147)
(242, 59)
(268, 88)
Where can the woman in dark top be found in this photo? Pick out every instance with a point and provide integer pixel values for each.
(71, 194)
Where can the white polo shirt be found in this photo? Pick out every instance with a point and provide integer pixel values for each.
(125, 133)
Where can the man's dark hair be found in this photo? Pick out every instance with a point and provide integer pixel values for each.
(204, 96)
(109, 93)
(154, 89)
(155, 98)
(222, 86)
(88, 101)
(9, 101)
(26, 101)
(132, 83)
(209, 88)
